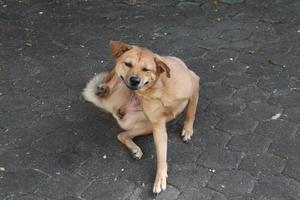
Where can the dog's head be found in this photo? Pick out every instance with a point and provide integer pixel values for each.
(138, 67)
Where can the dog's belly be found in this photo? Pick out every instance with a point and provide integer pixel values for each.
(130, 114)
(131, 119)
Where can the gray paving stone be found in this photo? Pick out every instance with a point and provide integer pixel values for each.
(277, 187)
(286, 147)
(228, 106)
(298, 134)
(70, 198)
(260, 163)
(264, 37)
(249, 197)
(20, 119)
(276, 129)
(249, 143)
(61, 186)
(56, 142)
(240, 124)
(3, 195)
(212, 137)
(201, 193)
(235, 35)
(103, 165)
(98, 189)
(216, 91)
(66, 161)
(25, 197)
(263, 111)
(247, 16)
(232, 1)
(143, 192)
(213, 44)
(281, 46)
(22, 181)
(232, 182)
(219, 159)
(206, 120)
(239, 81)
(18, 159)
(187, 5)
(142, 172)
(201, 65)
(262, 68)
(47, 124)
(214, 77)
(273, 83)
(186, 153)
(198, 176)
(292, 114)
(221, 56)
(20, 138)
(231, 68)
(292, 169)
(286, 98)
(252, 94)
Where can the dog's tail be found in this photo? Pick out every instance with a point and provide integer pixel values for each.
(90, 91)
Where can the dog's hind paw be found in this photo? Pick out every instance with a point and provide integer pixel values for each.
(102, 90)
(137, 153)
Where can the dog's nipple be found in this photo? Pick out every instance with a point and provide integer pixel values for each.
(121, 113)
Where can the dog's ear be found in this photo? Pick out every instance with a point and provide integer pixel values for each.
(117, 48)
(161, 67)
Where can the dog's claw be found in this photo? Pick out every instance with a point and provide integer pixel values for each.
(187, 141)
(187, 135)
(137, 154)
(160, 184)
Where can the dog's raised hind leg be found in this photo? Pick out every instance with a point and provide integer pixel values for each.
(127, 136)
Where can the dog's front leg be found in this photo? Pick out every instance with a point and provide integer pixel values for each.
(187, 131)
(160, 141)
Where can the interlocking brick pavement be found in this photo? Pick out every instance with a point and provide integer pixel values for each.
(56, 146)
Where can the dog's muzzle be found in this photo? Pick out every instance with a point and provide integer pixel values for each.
(134, 81)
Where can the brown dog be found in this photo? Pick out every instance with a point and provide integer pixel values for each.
(161, 87)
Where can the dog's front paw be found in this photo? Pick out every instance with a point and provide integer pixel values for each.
(187, 134)
(160, 183)
(102, 90)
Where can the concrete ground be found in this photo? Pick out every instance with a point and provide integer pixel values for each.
(56, 146)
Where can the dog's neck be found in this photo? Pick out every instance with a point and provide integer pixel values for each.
(153, 91)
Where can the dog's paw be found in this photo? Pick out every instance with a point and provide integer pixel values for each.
(137, 153)
(160, 183)
(187, 135)
(102, 90)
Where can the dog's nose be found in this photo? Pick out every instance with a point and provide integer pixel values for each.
(134, 80)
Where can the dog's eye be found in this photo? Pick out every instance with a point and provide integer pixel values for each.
(127, 64)
(146, 70)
